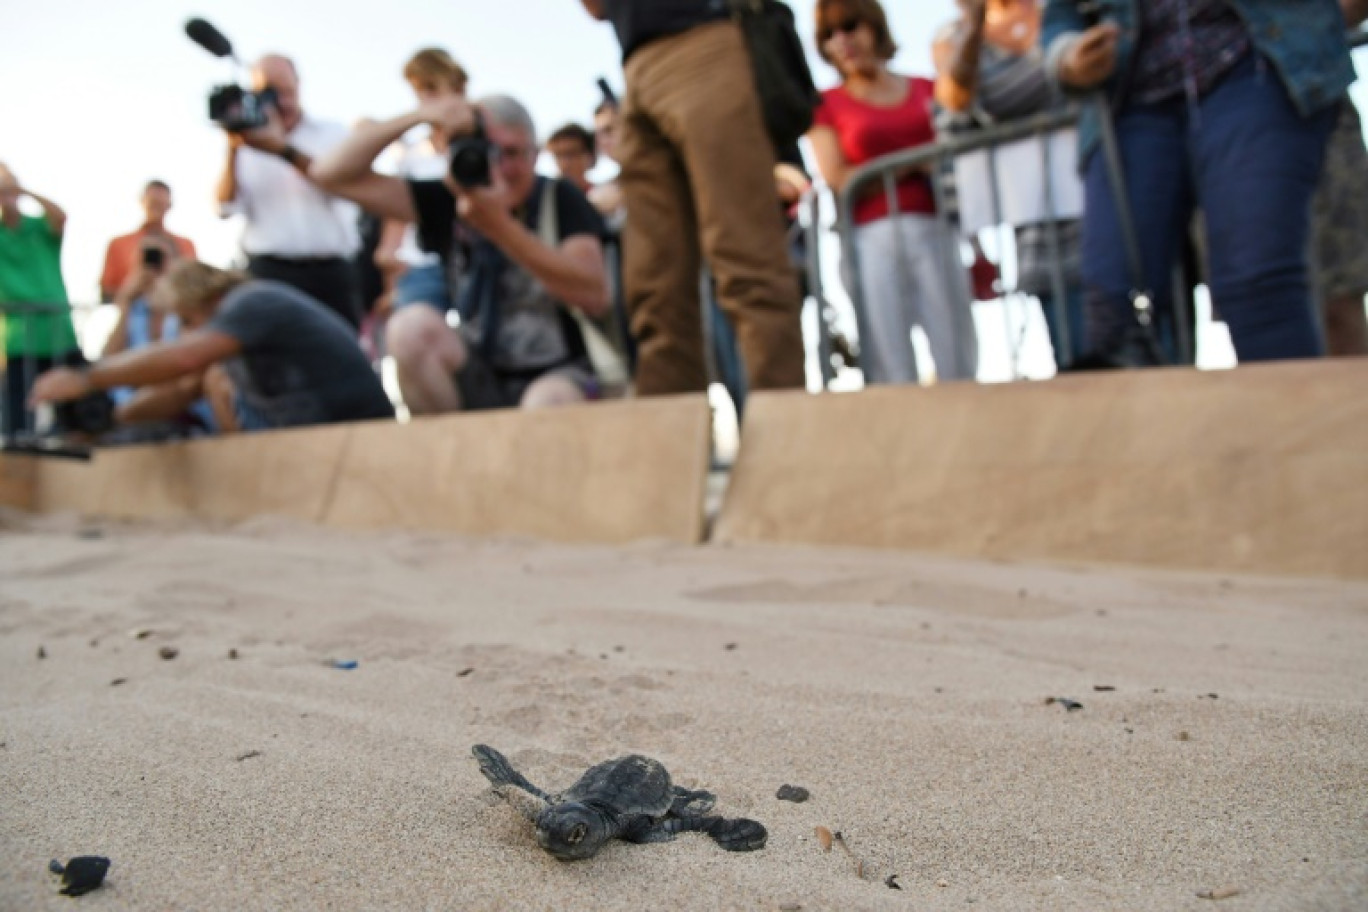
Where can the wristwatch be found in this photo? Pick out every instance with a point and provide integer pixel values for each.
(294, 157)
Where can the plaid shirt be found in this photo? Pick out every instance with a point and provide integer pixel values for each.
(1186, 46)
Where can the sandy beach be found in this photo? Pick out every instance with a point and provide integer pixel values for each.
(1222, 740)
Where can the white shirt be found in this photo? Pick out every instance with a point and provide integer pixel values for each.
(286, 216)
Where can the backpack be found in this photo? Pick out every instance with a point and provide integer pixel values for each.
(783, 81)
(605, 341)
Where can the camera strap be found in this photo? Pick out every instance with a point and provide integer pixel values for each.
(477, 303)
(604, 346)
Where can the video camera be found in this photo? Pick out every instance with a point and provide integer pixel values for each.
(230, 105)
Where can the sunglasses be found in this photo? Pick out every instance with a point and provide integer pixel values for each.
(844, 27)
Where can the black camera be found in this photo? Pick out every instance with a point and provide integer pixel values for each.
(153, 257)
(472, 156)
(236, 109)
(92, 414)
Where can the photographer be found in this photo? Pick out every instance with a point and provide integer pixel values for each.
(151, 247)
(266, 355)
(31, 274)
(519, 341)
(295, 233)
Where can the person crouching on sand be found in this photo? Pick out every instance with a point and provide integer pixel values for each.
(265, 354)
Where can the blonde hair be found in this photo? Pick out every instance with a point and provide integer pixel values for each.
(190, 286)
(434, 66)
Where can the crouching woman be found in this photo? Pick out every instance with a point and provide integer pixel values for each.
(265, 355)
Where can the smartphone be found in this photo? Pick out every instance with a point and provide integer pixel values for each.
(154, 257)
(1091, 12)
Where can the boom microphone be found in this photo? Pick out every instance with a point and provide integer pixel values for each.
(209, 38)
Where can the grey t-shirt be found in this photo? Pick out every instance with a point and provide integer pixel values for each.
(300, 363)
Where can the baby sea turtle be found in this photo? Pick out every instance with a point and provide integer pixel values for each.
(630, 798)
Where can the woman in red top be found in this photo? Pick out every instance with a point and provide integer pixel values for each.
(909, 261)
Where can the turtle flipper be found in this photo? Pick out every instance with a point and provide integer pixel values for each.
(691, 804)
(500, 772)
(647, 829)
(735, 834)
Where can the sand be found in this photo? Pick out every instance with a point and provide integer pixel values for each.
(907, 693)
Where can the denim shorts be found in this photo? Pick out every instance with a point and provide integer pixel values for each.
(423, 285)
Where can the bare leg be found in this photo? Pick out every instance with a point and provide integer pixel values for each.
(551, 391)
(222, 396)
(428, 353)
(1346, 326)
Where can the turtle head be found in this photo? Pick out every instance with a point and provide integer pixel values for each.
(572, 831)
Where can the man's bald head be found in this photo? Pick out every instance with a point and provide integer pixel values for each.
(278, 72)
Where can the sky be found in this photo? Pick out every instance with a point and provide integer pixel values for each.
(98, 98)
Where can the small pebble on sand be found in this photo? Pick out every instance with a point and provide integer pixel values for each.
(1219, 893)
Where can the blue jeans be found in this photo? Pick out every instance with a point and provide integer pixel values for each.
(1251, 163)
(730, 368)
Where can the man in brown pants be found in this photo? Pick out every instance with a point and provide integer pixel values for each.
(697, 180)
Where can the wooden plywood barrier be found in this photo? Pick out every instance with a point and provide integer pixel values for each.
(17, 482)
(1263, 469)
(610, 472)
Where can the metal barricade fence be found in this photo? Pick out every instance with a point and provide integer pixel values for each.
(938, 159)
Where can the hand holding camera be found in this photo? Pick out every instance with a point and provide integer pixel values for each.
(448, 114)
(270, 136)
(153, 257)
(484, 207)
(468, 148)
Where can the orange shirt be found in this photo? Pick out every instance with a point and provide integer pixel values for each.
(125, 252)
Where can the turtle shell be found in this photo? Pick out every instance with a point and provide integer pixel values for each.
(627, 786)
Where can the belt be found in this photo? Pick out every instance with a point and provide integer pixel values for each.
(298, 261)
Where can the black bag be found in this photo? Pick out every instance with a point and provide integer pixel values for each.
(783, 81)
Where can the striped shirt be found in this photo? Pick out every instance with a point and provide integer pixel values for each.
(1011, 86)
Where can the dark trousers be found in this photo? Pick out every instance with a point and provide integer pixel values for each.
(20, 372)
(1251, 162)
(330, 281)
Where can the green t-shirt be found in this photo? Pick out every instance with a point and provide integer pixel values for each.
(31, 273)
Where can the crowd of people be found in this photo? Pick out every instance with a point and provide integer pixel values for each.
(431, 236)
